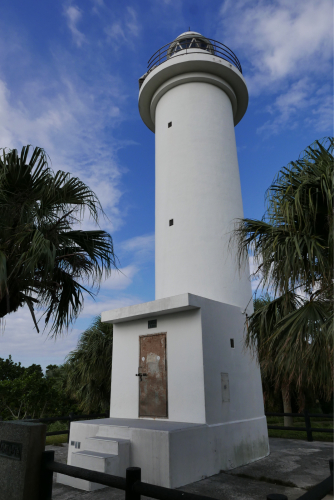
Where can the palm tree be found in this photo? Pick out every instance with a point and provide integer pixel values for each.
(45, 260)
(293, 248)
(88, 368)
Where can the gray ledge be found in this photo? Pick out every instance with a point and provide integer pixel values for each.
(169, 305)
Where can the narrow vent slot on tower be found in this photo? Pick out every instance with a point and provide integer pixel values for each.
(152, 323)
(169, 124)
(171, 222)
(232, 343)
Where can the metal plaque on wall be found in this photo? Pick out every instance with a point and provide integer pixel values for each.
(10, 450)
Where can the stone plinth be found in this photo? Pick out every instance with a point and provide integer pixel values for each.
(21, 447)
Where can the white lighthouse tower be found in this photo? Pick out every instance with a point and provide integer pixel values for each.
(186, 398)
(192, 101)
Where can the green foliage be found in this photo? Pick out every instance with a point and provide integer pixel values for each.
(44, 260)
(10, 370)
(88, 368)
(27, 392)
(292, 245)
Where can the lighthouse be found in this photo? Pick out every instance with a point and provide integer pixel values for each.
(186, 397)
(191, 101)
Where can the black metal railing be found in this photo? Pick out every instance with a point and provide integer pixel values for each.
(307, 418)
(134, 487)
(190, 46)
(131, 484)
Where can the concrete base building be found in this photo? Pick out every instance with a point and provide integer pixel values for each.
(186, 397)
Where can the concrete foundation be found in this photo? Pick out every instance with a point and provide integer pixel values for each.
(170, 454)
(215, 408)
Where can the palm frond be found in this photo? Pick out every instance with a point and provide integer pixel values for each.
(41, 252)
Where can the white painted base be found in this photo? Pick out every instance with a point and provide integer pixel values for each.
(215, 407)
(172, 454)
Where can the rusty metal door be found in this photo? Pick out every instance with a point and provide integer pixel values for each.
(152, 376)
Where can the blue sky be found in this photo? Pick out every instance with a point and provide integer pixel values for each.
(69, 83)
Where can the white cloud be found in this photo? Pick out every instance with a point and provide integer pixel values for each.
(104, 303)
(286, 50)
(120, 279)
(281, 38)
(124, 30)
(73, 15)
(99, 3)
(301, 101)
(140, 249)
(141, 246)
(115, 32)
(69, 123)
(21, 340)
(132, 22)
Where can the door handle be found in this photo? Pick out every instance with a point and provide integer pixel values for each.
(141, 375)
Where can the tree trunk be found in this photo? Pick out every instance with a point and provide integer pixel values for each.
(288, 421)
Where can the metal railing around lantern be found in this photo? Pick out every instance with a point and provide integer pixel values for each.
(193, 45)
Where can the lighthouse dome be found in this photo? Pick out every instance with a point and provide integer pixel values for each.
(188, 42)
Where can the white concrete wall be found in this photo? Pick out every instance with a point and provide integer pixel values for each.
(220, 323)
(198, 351)
(184, 366)
(198, 186)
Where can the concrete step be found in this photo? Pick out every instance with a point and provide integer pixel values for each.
(113, 431)
(103, 444)
(94, 460)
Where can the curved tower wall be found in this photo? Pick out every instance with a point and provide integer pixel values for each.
(198, 186)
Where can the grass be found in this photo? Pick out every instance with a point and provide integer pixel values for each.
(300, 422)
(56, 440)
(61, 438)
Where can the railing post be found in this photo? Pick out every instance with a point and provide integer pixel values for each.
(45, 492)
(331, 465)
(133, 474)
(276, 496)
(308, 426)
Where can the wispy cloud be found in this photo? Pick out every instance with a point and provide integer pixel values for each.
(287, 51)
(301, 101)
(141, 246)
(124, 30)
(73, 15)
(280, 39)
(69, 122)
(132, 22)
(21, 340)
(139, 251)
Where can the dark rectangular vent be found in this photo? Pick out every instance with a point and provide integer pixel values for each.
(232, 343)
(152, 323)
(169, 124)
(171, 222)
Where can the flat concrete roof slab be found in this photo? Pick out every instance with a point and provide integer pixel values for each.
(169, 305)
